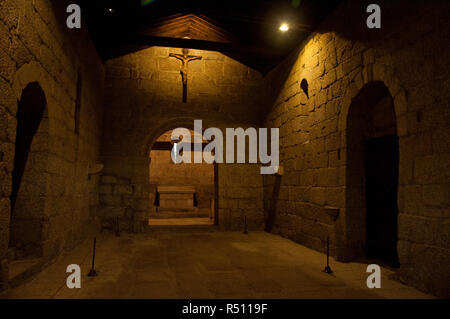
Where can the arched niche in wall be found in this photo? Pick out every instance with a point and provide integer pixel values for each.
(372, 174)
(30, 174)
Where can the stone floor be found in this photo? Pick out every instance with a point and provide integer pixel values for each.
(206, 264)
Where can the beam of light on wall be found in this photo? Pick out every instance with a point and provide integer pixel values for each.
(146, 2)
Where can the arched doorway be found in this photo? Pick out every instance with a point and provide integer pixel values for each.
(372, 174)
(29, 177)
(180, 194)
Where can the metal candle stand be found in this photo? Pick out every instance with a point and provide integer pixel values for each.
(327, 267)
(93, 272)
(245, 225)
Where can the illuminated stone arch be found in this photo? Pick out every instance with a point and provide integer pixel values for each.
(157, 131)
(374, 73)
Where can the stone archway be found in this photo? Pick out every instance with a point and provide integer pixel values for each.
(372, 174)
(32, 88)
(164, 127)
(368, 87)
(183, 193)
(144, 162)
(30, 176)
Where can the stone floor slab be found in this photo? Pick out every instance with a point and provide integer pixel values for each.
(204, 264)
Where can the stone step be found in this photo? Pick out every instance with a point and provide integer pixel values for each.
(182, 228)
(164, 215)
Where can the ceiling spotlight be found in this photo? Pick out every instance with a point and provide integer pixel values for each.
(110, 10)
(284, 27)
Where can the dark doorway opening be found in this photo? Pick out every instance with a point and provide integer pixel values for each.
(372, 176)
(381, 198)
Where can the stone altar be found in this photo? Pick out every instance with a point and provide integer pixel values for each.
(176, 198)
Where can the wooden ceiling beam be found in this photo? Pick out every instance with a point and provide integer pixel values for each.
(177, 25)
(200, 45)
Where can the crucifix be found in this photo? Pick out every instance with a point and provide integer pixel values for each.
(185, 59)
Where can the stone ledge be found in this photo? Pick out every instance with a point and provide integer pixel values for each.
(333, 212)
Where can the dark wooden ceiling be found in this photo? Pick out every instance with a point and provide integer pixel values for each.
(247, 31)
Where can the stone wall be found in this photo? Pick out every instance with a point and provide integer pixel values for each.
(143, 99)
(240, 196)
(409, 56)
(36, 46)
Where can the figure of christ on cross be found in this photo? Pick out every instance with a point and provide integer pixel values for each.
(185, 59)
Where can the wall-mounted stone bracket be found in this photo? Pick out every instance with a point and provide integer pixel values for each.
(333, 212)
(95, 169)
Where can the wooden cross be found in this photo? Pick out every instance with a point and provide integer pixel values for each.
(185, 59)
